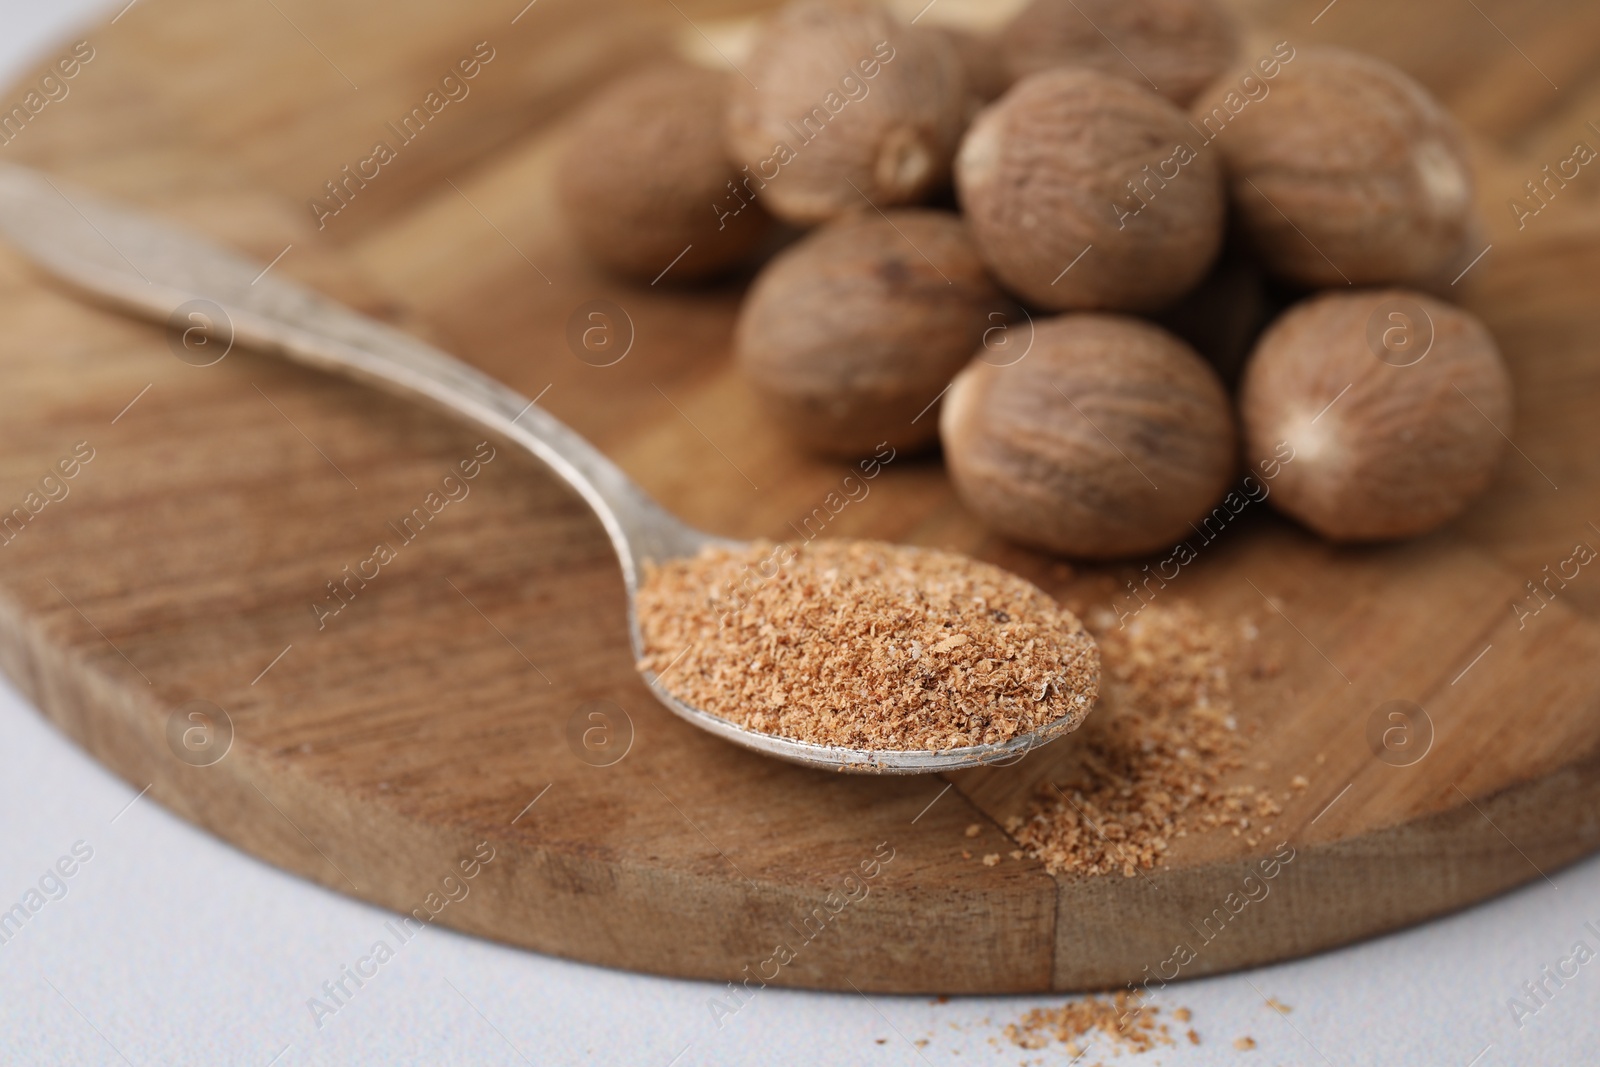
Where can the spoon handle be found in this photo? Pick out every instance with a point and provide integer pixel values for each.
(211, 298)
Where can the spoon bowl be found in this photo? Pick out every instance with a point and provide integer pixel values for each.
(210, 296)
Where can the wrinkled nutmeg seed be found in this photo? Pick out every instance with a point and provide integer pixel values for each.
(850, 335)
(1108, 440)
(845, 104)
(1345, 173)
(1084, 191)
(1173, 47)
(643, 175)
(1393, 403)
(983, 62)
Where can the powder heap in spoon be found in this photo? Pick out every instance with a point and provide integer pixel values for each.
(861, 644)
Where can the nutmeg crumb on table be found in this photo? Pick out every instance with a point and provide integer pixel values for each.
(1150, 764)
(1124, 1021)
(865, 645)
(1244, 1044)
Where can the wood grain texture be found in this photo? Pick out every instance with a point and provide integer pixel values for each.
(377, 753)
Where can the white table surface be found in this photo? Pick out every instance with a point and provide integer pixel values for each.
(170, 947)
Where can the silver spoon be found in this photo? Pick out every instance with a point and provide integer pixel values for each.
(159, 272)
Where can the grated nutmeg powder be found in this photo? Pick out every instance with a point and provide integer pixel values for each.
(1124, 1023)
(866, 645)
(1153, 765)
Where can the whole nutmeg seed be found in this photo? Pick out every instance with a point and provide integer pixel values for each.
(983, 62)
(852, 334)
(1175, 47)
(845, 104)
(1107, 440)
(644, 176)
(1342, 170)
(1084, 191)
(1393, 406)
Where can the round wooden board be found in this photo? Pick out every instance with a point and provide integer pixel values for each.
(435, 712)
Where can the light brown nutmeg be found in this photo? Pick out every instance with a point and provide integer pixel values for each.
(1342, 170)
(1174, 47)
(983, 62)
(1084, 191)
(644, 176)
(852, 334)
(1381, 412)
(1107, 440)
(845, 104)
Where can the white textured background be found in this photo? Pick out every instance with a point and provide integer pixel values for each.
(172, 948)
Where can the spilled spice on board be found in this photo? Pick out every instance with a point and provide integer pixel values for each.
(864, 644)
(1149, 766)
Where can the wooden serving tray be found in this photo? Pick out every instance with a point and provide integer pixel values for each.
(447, 704)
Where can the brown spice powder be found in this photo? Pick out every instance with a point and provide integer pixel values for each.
(865, 645)
(1149, 767)
(1124, 1021)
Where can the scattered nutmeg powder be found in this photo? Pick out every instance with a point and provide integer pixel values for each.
(1124, 1021)
(1150, 766)
(866, 645)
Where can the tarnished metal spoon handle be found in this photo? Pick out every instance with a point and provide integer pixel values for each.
(160, 272)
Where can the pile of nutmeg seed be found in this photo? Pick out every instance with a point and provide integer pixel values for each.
(1105, 186)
